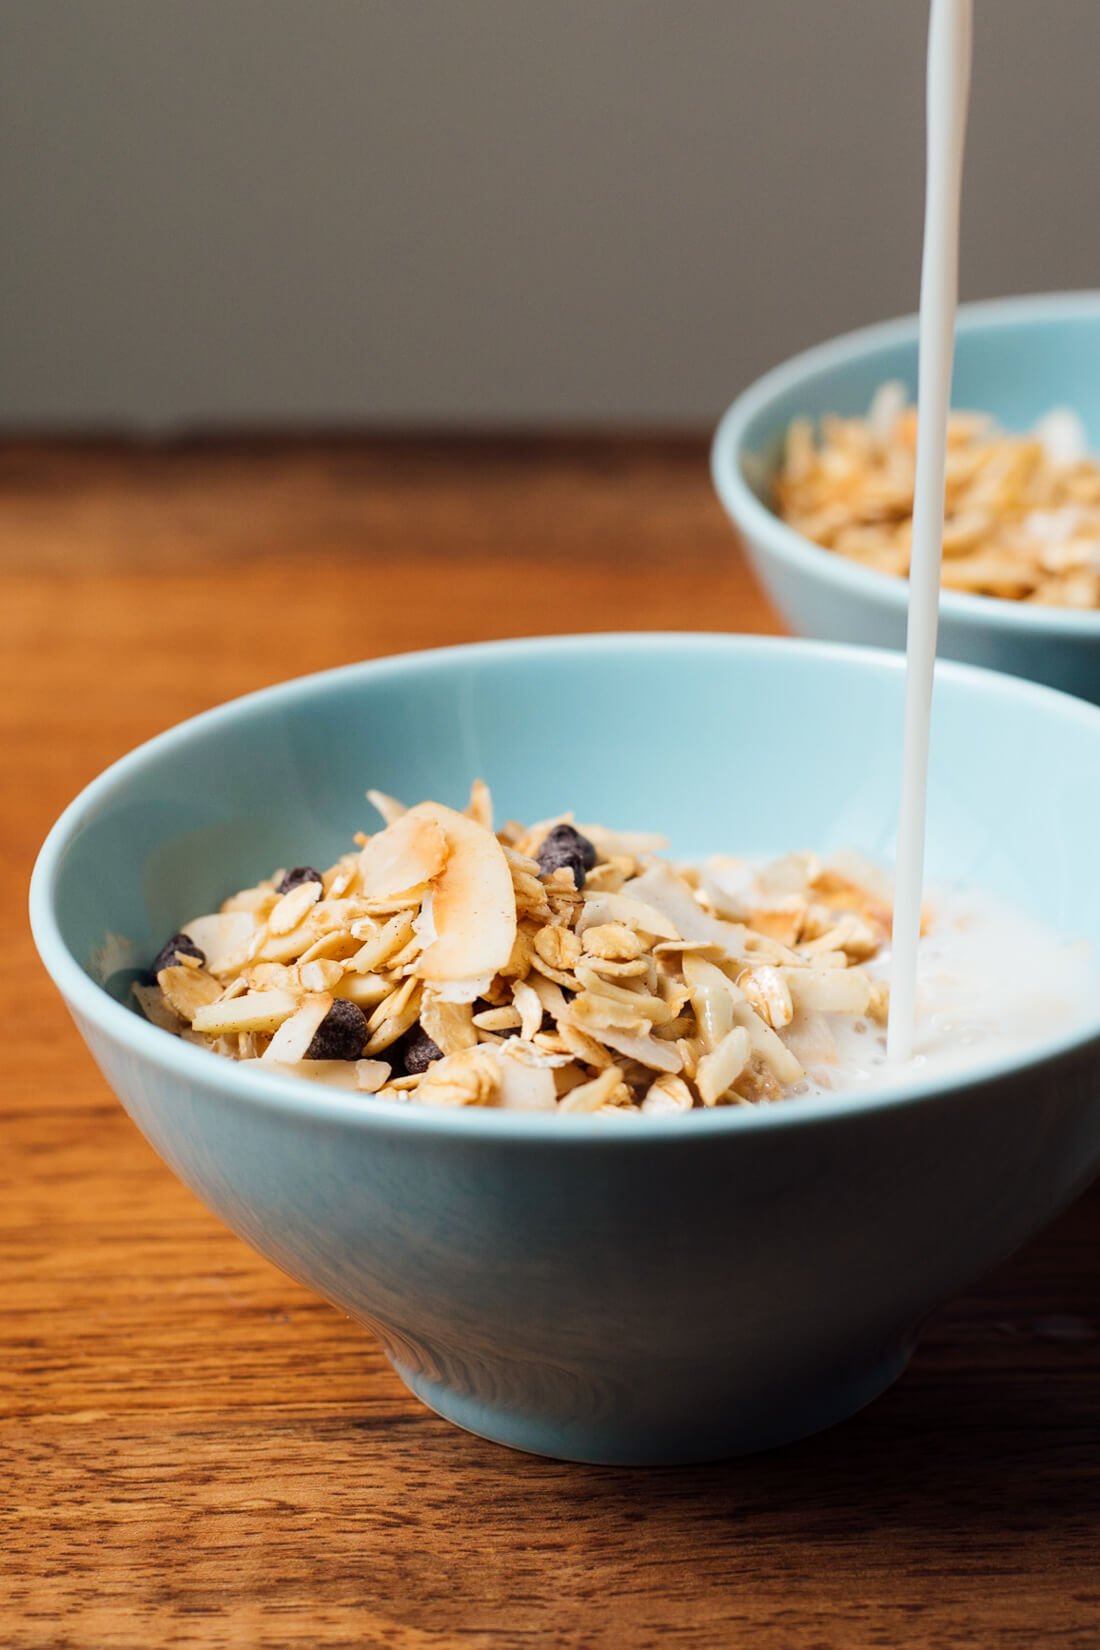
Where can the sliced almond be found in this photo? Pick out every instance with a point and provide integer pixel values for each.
(365, 990)
(156, 1008)
(292, 908)
(717, 1071)
(520, 862)
(255, 1011)
(712, 998)
(394, 1004)
(591, 1096)
(320, 975)
(654, 1009)
(294, 1036)
(585, 1046)
(771, 1049)
(549, 994)
(392, 937)
(392, 1018)
(322, 918)
(187, 990)
(497, 1019)
(336, 946)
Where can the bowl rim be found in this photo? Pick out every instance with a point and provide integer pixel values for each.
(145, 1042)
(756, 519)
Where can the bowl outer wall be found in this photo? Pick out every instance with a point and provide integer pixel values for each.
(1016, 358)
(689, 1299)
(566, 1289)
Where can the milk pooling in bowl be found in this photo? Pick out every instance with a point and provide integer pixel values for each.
(992, 984)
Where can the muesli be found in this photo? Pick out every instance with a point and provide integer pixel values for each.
(547, 967)
(1022, 512)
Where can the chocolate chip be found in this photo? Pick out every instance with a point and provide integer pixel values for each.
(180, 945)
(564, 848)
(295, 878)
(416, 1051)
(341, 1034)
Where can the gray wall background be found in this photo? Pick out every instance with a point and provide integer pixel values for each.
(444, 211)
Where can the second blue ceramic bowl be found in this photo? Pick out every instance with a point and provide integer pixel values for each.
(604, 1289)
(1015, 358)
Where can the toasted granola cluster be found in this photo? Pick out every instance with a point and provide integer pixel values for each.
(1022, 512)
(548, 967)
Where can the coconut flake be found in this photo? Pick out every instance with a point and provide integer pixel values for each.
(648, 1051)
(406, 855)
(462, 991)
(473, 907)
(662, 889)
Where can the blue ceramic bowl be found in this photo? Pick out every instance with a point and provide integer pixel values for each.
(1016, 358)
(636, 1290)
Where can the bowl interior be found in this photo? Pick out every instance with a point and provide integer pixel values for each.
(1015, 359)
(725, 744)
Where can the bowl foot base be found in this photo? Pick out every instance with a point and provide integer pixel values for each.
(601, 1440)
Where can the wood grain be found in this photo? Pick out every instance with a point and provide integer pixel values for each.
(198, 1453)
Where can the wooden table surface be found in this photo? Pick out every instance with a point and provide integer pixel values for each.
(197, 1452)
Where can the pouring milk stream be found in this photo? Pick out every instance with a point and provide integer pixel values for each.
(949, 38)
